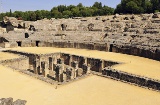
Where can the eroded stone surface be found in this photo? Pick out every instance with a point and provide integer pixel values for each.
(9, 101)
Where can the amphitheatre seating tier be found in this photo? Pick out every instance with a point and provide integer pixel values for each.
(60, 48)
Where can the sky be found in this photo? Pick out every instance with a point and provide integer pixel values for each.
(31, 5)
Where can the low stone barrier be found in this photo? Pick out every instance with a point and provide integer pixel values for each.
(131, 78)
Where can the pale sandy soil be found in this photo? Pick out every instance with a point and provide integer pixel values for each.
(5, 56)
(133, 64)
(92, 90)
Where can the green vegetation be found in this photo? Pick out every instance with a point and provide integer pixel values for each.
(62, 11)
(138, 6)
(97, 9)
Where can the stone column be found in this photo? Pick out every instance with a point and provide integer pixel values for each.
(59, 73)
(55, 59)
(50, 63)
(85, 61)
(43, 68)
(54, 67)
(72, 73)
(70, 60)
(107, 47)
(101, 66)
(75, 69)
(88, 69)
(37, 65)
(64, 77)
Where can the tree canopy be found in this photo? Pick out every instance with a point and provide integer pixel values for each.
(138, 6)
(97, 9)
(62, 11)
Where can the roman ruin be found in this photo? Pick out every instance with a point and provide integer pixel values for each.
(63, 51)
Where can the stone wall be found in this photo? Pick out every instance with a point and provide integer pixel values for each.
(131, 78)
(125, 49)
(64, 67)
(17, 63)
(5, 45)
(60, 67)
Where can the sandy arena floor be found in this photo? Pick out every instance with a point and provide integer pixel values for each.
(5, 56)
(133, 64)
(92, 90)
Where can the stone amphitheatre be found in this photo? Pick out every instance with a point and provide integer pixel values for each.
(103, 60)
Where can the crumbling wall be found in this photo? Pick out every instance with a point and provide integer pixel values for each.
(131, 78)
(138, 51)
(5, 45)
(18, 63)
(124, 49)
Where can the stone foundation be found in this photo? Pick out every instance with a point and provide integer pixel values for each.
(61, 67)
(151, 53)
(131, 78)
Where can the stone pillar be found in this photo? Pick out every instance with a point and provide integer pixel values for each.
(36, 65)
(101, 66)
(59, 73)
(88, 69)
(75, 64)
(85, 61)
(64, 77)
(50, 63)
(46, 69)
(72, 73)
(68, 73)
(70, 60)
(54, 59)
(60, 61)
(107, 47)
(54, 67)
(43, 68)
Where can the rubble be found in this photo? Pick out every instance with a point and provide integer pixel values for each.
(9, 101)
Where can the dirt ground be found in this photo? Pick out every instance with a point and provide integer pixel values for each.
(5, 56)
(133, 64)
(92, 90)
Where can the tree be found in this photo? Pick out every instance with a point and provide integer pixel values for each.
(10, 13)
(18, 14)
(26, 16)
(62, 11)
(75, 11)
(70, 7)
(80, 5)
(86, 12)
(61, 8)
(156, 5)
(97, 5)
(32, 16)
(67, 14)
(136, 6)
(149, 7)
(107, 10)
(56, 14)
(119, 9)
(39, 15)
(132, 7)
